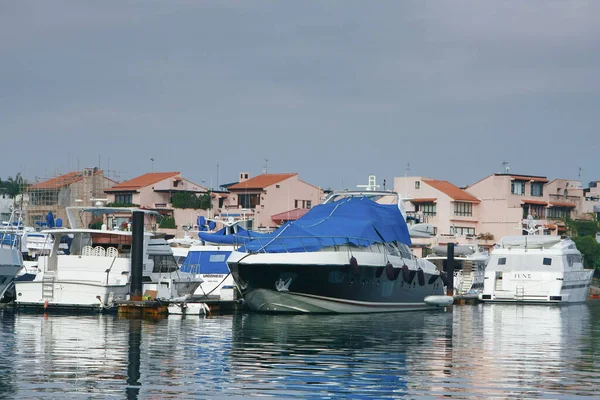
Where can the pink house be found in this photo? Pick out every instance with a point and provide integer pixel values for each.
(154, 191)
(269, 199)
(451, 210)
(511, 203)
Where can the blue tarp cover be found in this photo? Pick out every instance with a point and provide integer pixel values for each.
(206, 262)
(221, 237)
(356, 221)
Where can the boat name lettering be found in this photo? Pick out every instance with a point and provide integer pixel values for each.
(522, 275)
(212, 276)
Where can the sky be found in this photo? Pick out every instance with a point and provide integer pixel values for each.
(333, 90)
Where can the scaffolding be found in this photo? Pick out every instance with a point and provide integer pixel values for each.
(79, 188)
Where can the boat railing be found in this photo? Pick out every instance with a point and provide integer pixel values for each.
(304, 244)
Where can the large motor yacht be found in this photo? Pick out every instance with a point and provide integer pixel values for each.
(348, 255)
(536, 269)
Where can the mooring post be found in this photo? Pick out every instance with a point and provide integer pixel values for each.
(137, 255)
(450, 270)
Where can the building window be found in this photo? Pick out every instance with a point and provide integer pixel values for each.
(502, 261)
(463, 231)
(417, 185)
(559, 212)
(537, 189)
(124, 198)
(248, 200)
(537, 211)
(428, 209)
(463, 209)
(517, 187)
(302, 203)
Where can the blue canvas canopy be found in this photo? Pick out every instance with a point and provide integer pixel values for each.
(223, 237)
(355, 221)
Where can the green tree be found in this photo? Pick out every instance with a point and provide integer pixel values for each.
(190, 200)
(13, 186)
(590, 249)
(168, 222)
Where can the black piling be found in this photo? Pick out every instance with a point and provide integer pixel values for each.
(133, 368)
(137, 255)
(450, 270)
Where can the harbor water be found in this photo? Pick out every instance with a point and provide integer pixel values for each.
(482, 351)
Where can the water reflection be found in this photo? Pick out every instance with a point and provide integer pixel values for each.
(483, 351)
(343, 355)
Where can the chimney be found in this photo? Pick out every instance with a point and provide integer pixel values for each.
(244, 176)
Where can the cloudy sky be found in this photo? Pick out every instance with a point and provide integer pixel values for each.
(333, 90)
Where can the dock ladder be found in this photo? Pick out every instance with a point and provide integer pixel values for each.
(520, 293)
(48, 285)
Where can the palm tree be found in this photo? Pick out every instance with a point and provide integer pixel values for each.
(15, 186)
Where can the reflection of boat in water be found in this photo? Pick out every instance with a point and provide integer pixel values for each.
(469, 266)
(536, 269)
(544, 348)
(350, 254)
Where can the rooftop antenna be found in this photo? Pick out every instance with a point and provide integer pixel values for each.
(372, 184)
(152, 160)
(505, 167)
(265, 168)
(580, 170)
(406, 171)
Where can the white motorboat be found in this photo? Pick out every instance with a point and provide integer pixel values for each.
(95, 270)
(209, 262)
(536, 269)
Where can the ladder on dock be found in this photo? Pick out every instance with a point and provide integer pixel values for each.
(48, 285)
(520, 293)
(467, 277)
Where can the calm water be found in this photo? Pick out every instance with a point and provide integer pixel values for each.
(498, 351)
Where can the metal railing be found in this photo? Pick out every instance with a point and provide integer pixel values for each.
(305, 244)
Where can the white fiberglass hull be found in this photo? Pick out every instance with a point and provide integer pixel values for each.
(68, 294)
(10, 265)
(570, 287)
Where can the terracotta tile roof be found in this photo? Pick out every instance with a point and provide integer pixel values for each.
(423, 200)
(62, 181)
(141, 181)
(451, 190)
(261, 181)
(562, 204)
(538, 202)
(291, 215)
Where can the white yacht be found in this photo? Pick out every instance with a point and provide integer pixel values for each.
(469, 268)
(536, 269)
(95, 270)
